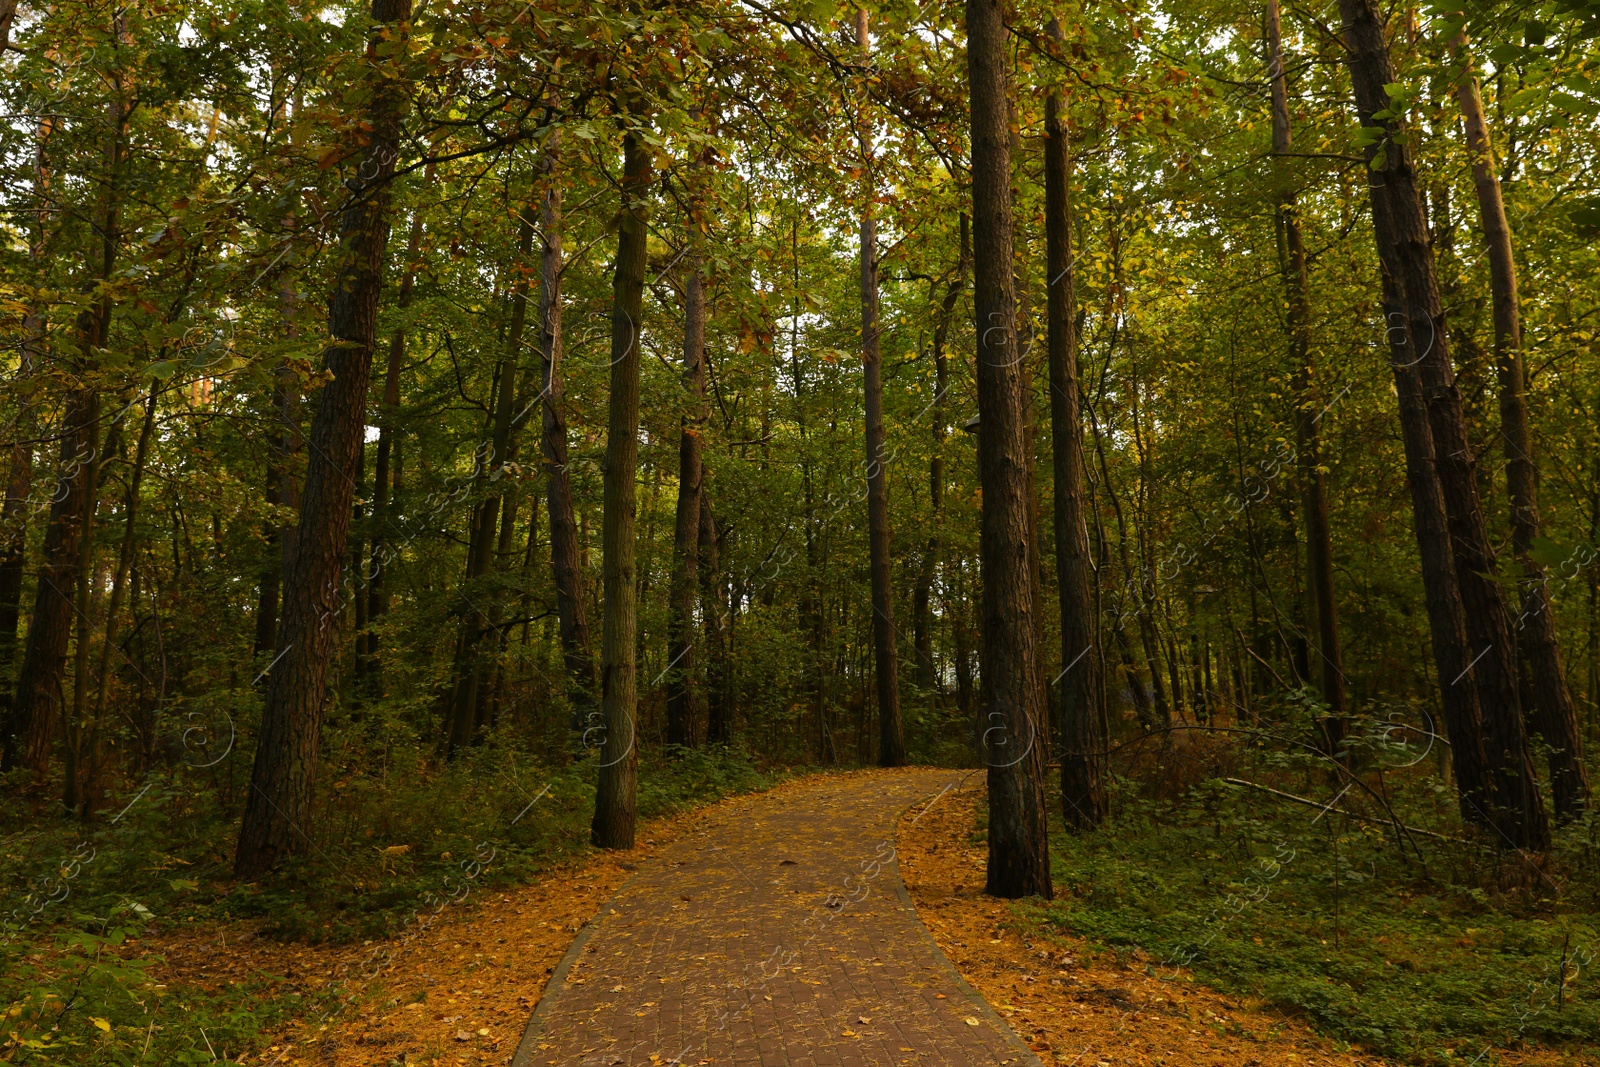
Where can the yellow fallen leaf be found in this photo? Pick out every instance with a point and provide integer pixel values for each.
(104, 1024)
(971, 1021)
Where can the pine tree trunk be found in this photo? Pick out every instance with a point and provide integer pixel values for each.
(1554, 715)
(566, 555)
(283, 779)
(682, 706)
(1412, 303)
(1328, 668)
(1083, 738)
(1015, 748)
(615, 801)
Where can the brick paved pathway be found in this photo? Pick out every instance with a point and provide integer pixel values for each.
(777, 935)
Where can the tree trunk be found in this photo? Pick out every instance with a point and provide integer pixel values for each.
(61, 577)
(1554, 715)
(480, 607)
(1308, 407)
(566, 554)
(1083, 738)
(615, 802)
(1014, 748)
(886, 660)
(283, 778)
(922, 596)
(14, 548)
(386, 465)
(719, 717)
(1412, 304)
(682, 711)
(89, 791)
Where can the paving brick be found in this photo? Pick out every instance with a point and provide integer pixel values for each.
(778, 927)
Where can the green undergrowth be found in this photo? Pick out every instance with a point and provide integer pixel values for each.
(392, 841)
(1429, 954)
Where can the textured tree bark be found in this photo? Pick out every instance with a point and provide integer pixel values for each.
(1014, 745)
(283, 777)
(38, 702)
(1328, 665)
(885, 658)
(1083, 737)
(1554, 714)
(566, 556)
(615, 800)
(683, 712)
(1517, 809)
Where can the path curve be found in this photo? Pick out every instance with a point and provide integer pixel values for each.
(777, 934)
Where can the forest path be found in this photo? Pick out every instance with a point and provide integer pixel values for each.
(776, 934)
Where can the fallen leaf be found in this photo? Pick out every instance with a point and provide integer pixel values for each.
(970, 1021)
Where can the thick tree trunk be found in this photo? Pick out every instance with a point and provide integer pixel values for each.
(1328, 669)
(566, 554)
(682, 706)
(283, 778)
(886, 660)
(1015, 748)
(1083, 737)
(615, 801)
(38, 701)
(1554, 714)
(1412, 302)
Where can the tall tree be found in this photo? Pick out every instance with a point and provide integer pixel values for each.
(1412, 304)
(886, 660)
(1324, 610)
(388, 464)
(682, 705)
(922, 595)
(67, 544)
(1013, 718)
(615, 801)
(566, 558)
(284, 775)
(1554, 714)
(1083, 725)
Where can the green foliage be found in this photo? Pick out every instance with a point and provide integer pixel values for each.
(1429, 958)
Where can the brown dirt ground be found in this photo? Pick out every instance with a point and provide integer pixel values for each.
(1075, 1006)
(482, 966)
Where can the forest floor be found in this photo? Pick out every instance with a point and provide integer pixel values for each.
(459, 987)
(1079, 1001)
